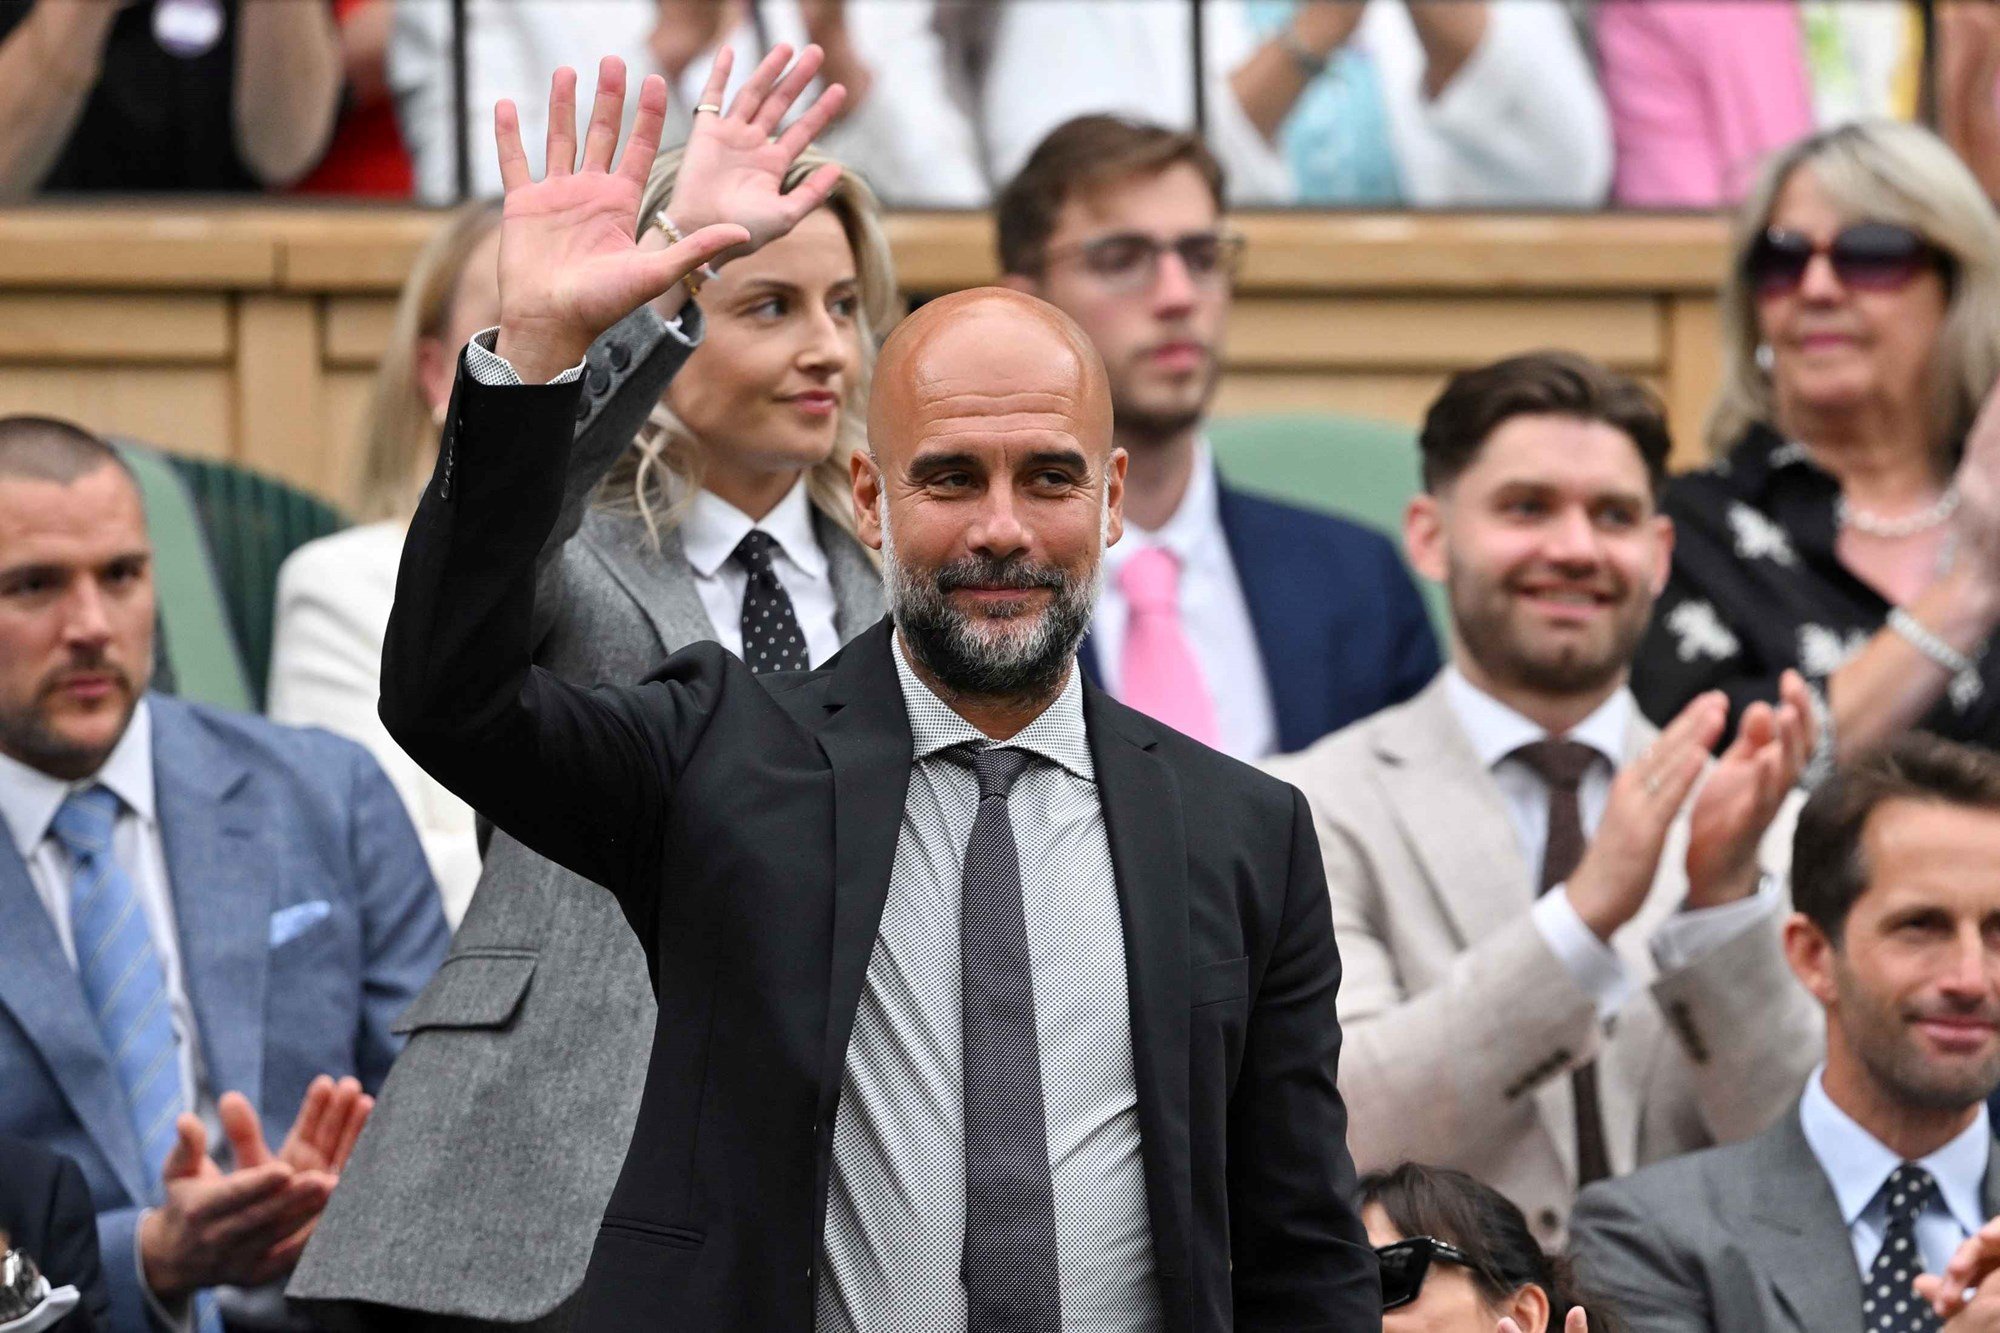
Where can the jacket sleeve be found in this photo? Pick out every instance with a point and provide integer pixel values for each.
(70, 1255)
(584, 777)
(1299, 1256)
(403, 930)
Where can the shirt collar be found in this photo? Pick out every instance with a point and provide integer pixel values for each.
(1857, 1164)
(1196, 521)
(712, 528)
(1057, 735)
(1496, 730)
(29, 798)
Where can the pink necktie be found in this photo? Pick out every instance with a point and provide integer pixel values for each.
(1159, 675)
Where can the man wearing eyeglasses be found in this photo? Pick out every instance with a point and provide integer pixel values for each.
(1253, 626)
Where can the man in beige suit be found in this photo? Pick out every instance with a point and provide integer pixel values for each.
(1559, 964)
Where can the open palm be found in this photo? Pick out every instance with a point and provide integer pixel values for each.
(571, 264)
(1745, 788)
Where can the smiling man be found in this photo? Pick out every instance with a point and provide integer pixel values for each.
(986, 1003)
(1511, 855)
(1823, 1223)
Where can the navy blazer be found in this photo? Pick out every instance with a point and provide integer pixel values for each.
(1341, 628)
(45, 1211)
(308, 922)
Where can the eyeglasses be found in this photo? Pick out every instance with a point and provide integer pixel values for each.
(1129, 261)
(1406, 1263)
(1867, 257)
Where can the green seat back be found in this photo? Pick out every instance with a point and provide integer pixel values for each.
(253, 522)
(198, 657)
(1355, 467)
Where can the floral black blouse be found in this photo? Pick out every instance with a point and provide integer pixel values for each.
(1756, 588)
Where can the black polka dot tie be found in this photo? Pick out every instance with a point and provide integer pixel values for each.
(772, 640)
(1889, 1304)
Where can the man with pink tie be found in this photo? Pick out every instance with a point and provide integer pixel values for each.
(1252, 626)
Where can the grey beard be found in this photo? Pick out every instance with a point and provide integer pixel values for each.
(970, 659)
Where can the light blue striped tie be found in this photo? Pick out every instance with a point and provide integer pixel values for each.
(126, 986)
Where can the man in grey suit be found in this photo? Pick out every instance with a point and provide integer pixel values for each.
(475, 1198)
(1885, 1166)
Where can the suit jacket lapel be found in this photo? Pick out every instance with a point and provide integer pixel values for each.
(867, 742)
(1143, 818)
(659, 582)
(42, 991)
(220, 873)
(857, 583)
(1795, 1234)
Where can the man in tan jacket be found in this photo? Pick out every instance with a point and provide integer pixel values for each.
(1559, 930)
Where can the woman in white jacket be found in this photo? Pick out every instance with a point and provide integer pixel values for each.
(334, 593)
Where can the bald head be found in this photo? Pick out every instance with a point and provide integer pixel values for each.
(983, 361)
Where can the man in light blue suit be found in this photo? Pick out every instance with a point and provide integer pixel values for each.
(208, 924)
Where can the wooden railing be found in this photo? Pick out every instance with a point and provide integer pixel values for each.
(252, 332)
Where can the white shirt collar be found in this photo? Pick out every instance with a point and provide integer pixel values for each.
(29, 798)
(1857, 1163)
(712, 528)
(1057, 734)
(1196, 521)
(1496, 730)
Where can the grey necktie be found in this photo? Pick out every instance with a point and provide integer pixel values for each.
(1009, 1264)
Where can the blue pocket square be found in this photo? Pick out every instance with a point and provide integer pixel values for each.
(288, 923)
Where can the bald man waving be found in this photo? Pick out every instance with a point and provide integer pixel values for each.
(986, 1003)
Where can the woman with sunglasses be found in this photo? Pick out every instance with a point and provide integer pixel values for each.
(1457, 1257)
(1851, 529)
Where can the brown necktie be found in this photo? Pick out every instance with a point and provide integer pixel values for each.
(1561, 765)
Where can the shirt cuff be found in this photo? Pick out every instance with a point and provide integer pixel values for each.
(177, 1317)
(1592, 963)
(1686, 936)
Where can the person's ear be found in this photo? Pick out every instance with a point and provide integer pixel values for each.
(866, 479)
(437, 367)
(1114, 496)
(1423, 536)
(1528, 1307)
(1811, 955)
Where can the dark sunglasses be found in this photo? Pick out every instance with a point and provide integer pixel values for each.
(1868, 256)
(1406, 1263)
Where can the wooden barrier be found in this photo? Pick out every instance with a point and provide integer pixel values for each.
(251, 332)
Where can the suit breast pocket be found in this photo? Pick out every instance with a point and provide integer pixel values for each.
(479, 988)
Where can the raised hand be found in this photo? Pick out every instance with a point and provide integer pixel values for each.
(1976, 522)
(1616, 873)
(1970, 1269)
(244, 1227)
(570, 263)
(1743, 792)
(322, 1136)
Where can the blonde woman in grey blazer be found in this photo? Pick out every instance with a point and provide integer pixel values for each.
(473, 1199)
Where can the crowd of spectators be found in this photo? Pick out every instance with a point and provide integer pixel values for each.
(1324, 103)
(1665, 886)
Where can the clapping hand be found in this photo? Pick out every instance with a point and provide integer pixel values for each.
(571, 264)
(1743, 793)
(1967, 1293)
(247, 1226)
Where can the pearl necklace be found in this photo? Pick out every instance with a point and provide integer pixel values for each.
(1937, 512)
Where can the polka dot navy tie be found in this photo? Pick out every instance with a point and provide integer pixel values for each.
(772, 640)
(1889, 1305)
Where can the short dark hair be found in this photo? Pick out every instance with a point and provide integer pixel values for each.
(1475, 403)
(1080, 153)
(49, 449)
(1829, 868)
(1456, 1208)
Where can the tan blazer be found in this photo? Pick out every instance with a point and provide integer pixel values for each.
(1460, 1021)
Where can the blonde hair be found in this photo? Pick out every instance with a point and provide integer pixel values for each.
(657, 477)
(401, 433)
(1878, 171)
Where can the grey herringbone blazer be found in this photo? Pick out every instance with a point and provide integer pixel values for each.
(476, 1191)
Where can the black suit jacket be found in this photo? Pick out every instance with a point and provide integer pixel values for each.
(46, 1211)
(748, 828)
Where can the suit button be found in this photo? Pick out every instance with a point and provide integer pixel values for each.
(582, 408)
(1548, 1221)
(597, 379)
(621, 356)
